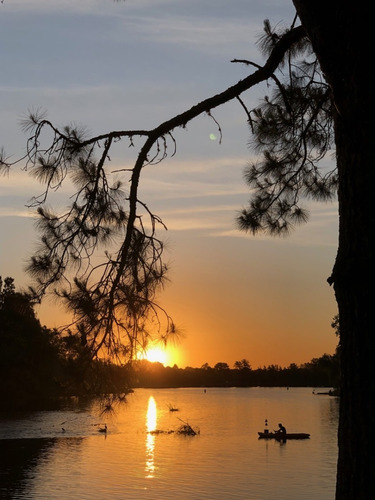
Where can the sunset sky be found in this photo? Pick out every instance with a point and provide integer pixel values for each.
(134, 64)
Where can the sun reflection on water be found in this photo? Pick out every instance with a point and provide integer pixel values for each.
(151, 419)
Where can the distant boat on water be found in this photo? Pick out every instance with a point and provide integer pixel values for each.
(282, 436)
(331, 392)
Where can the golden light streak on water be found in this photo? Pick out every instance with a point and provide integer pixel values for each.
(151, 420)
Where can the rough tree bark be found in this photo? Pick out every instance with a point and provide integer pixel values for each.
(341, 35)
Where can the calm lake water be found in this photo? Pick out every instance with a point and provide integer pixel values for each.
(225, 461)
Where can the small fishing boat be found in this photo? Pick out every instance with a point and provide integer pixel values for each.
(282, 436)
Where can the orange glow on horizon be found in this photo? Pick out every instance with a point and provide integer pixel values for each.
(167, 356)
(156, 354)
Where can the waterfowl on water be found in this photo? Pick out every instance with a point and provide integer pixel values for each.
(103, 429)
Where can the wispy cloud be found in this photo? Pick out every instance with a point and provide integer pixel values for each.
(217, 36)
(9, 212)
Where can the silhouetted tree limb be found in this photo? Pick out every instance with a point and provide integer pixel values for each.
(113, 301)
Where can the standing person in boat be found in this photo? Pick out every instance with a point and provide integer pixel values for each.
(281, 429)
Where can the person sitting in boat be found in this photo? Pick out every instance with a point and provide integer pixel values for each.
(281, 429)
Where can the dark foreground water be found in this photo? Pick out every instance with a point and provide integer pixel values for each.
(50, 455)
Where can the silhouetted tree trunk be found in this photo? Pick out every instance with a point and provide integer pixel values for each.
(342, 37)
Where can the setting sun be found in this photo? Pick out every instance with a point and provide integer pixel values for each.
(168, 356)
(156, 354)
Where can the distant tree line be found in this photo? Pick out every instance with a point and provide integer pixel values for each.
(319, 372)
(39, 364)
